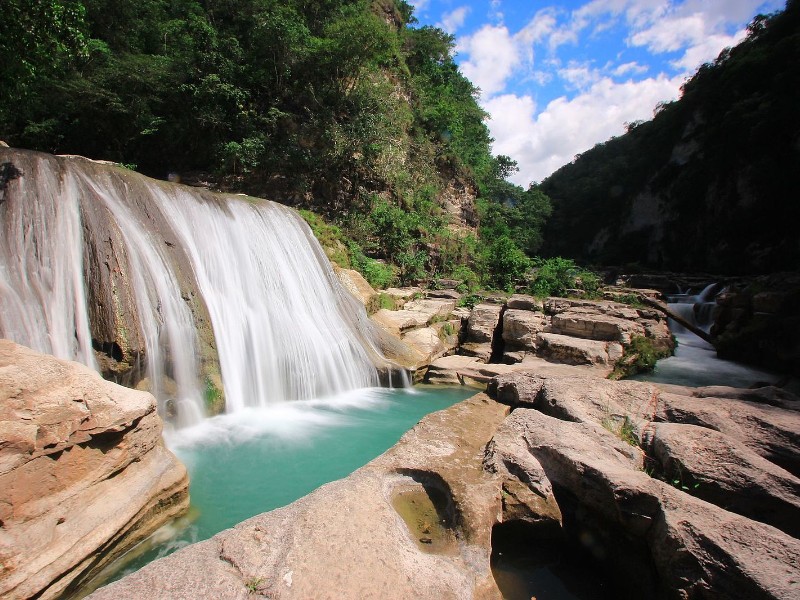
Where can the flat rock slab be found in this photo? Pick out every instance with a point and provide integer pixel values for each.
(592, 326)
(84, 473)
(469, 370)
(576, 351)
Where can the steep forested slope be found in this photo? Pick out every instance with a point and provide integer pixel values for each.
(341, 106)
(711, 183)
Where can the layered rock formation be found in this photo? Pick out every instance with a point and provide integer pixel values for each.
(681, 486)
(84, 473)
(519, 333)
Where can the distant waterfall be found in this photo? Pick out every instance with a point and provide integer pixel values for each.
(697, 309)
(75, 231)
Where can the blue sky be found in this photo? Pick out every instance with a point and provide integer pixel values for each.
(559, 76)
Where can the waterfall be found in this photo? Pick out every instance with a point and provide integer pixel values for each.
(94, 257)
(697, 309)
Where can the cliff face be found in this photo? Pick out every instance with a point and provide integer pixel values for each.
(710, 183)
(84, 473)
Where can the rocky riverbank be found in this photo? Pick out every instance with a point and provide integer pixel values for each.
(444, 343)
(672, 492)
(84, 473)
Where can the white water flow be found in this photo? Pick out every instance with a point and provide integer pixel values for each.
(42, 293)
(695, 361)
(166, 321)
(284, 328)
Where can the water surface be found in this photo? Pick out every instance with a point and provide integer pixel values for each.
(256, 460)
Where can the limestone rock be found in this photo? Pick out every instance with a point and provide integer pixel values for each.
(470, 370)
(520, 329)
(397, 321)
(355, 283)
(426, 341)
(482, 322)
(84, 473)
(592, 326)
(577, 351)
(525, 302)
(714, 467)
(432, 308)
(698, 549)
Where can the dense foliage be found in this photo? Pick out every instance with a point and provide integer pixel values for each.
(710, 183)
(340, 106)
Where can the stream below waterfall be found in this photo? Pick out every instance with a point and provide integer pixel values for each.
(256, 460)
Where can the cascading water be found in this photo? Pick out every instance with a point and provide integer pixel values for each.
(302, 342)
(283, 327)
(695, 362)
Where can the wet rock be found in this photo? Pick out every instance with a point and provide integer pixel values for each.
(84, 473)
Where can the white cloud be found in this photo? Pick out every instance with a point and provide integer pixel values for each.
(452, 21)
(493, 55)
(669, 35)
(542, 143)
(707, 50)
(689, 32)
(579, 76)
(630, 67)
(494, 11)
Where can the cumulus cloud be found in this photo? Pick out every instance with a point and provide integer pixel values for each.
(543, 142)
(493, 55)
(452, 21)
(706, 50)
(597, 104)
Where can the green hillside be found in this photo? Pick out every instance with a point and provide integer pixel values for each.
(344, 107)
(711, 183)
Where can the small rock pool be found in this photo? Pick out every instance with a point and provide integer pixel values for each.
(254, 461)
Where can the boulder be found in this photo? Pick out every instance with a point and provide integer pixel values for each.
(398, 321)
(521, 328)
(432, 308)
(84, 473)
(426, 341)
(576, 351)
(525, 302)
(483, 322)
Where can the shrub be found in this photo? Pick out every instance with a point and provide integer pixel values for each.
(640, 356)
(554, 276)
